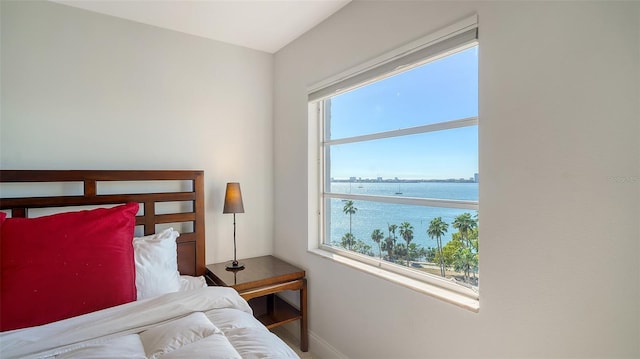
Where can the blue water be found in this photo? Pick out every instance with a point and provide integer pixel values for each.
(375, 215)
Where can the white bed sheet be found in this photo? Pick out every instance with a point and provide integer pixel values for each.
(210, 322)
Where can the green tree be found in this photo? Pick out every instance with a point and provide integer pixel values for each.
(392, 230)
(349, 209)
(377, 237)
(400, 250)
(390, 242)
(437, 229)
(449, 249)
(465, 224)
(464, 260)
(473, 238)
(430, 254)
(406, 232)
(363, 248)
(416, 252)
(348, 240)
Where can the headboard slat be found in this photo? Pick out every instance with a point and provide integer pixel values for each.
(19, 212)
(57, 201)
(191, 246)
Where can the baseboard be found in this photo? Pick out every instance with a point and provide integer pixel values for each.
(323, 350)
(318, 347)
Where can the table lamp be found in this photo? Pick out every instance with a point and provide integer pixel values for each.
(233, 204)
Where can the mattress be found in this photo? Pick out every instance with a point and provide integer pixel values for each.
(209, 322)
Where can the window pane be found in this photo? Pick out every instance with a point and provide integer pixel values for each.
(443, 90)
(435, 162)
(441, 155)
(369, 216)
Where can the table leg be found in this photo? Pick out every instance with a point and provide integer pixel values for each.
(304, 335)
(271, 304)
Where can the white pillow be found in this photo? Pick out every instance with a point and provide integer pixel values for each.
(156, 264)
(188, 282)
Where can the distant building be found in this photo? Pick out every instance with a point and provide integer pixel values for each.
(379, 179)
(352, 179)
(475, 177)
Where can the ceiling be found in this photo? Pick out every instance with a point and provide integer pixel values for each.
(265, 25)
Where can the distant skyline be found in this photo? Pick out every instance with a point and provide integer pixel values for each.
(443, 90)
(472, 179)
(400, 179)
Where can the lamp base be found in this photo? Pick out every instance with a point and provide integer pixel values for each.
(235, 266)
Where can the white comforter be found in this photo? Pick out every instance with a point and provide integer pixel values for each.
(211, 322)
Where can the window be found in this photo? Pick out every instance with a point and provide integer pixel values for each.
(397, 149)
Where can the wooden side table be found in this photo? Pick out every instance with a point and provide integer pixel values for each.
(258, 283)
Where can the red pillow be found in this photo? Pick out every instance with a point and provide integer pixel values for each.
(63, 265)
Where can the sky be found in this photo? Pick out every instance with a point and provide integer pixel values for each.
(443, 90)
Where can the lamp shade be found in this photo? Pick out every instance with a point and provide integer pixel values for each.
(233, 199)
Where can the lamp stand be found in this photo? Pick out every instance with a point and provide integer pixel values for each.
(234, 265)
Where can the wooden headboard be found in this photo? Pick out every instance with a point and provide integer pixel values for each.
(191, 246)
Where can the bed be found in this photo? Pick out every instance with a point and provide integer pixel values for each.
(110, 264)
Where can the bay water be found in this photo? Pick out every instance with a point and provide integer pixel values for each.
(375, 215)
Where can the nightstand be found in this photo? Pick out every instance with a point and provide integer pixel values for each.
(258, 283)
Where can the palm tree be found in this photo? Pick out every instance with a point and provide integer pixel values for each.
(465, 260)
(391, 240)
(348, 240)
(465, 224)
(406, 232)
(437, 229)
(392, 231)
(350, 210)
(377, 236)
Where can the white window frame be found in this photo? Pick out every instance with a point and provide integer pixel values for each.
(439, 44)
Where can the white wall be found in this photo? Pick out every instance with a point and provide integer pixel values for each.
(87, 91)
(559, 195)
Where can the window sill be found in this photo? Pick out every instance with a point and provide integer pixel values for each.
(432, 290)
